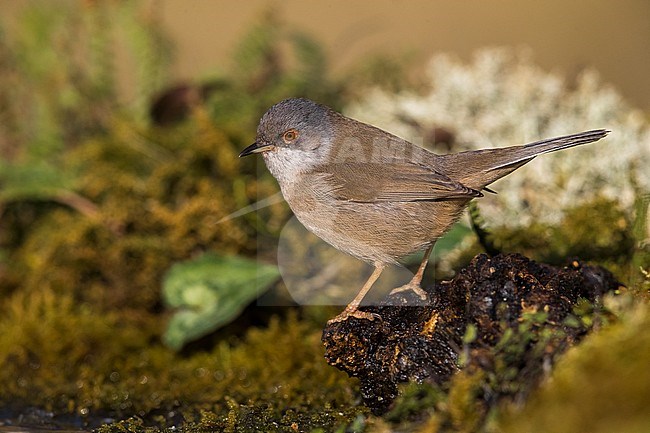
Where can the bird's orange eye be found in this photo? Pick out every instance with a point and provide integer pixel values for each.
(290, 136)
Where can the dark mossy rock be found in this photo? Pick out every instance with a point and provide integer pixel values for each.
(507, 315)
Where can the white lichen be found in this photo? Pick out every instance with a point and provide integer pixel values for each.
(502, 98)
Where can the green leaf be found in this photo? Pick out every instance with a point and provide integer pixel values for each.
(37, 180)
(451, 239)
(209, 292)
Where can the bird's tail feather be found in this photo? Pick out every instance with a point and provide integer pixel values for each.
(479, 168)
(526, 152)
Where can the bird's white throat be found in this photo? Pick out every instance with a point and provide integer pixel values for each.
(286, 165)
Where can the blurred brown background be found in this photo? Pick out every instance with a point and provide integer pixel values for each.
(613, 37)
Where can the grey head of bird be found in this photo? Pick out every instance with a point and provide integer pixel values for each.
(294, 136)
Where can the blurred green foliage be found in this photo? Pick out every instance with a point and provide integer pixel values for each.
(97, 203)
(599, 231)
(58, 87)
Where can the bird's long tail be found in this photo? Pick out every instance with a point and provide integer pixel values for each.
(477, 169)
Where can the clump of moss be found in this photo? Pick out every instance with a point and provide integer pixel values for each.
(599, 230)
(94, 365)
(49, 342)
(149, 214)
(599, 386)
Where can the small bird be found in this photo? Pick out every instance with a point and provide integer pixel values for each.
(372, 194)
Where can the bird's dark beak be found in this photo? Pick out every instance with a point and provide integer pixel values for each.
(256, 148)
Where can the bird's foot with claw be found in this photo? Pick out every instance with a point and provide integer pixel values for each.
(414, 287)
(353, 313)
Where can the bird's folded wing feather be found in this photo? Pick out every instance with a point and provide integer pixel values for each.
(390, 182)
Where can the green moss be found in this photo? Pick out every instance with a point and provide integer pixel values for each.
(90, 364)
(148, 216)
(464, 407)
(48, 341)
(598, 230)
(599, 386)
(81, 268)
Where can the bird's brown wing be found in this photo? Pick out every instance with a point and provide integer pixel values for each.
(390, 182)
